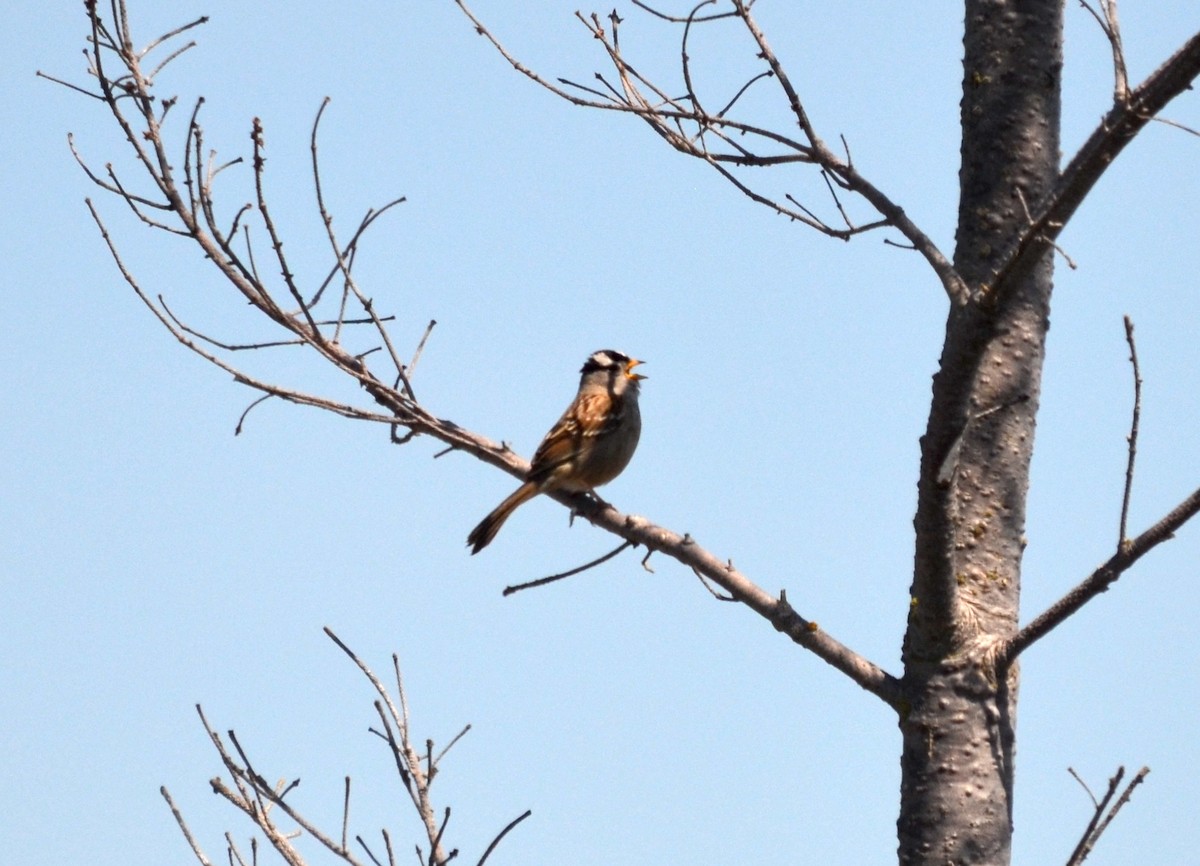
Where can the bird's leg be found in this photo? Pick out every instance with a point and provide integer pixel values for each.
(599, 499)
(595, 497)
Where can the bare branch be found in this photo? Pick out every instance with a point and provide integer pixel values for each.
(313, 333)
(1084, 847)
(342, 259)
(450, 745)
(387, 841)
(258, 799)
(667, 117)
(718, 596)
(742, 92)
(513, 823)
(436, 841)
(173, 54)
(412, 365)
(352, 247)
(1084, 785)
(183, 827)
(363, 844)
(1189, 130)
(1029, 217)
(399, 405)
(416, 778)
(685, 61)
(542, 581)
(1133, 431)
(237, 431)
(69, 85)
(171, 34)
(288, 394)
(1107, 19)
(1100, 821)
(849, 176)
(1119, 127)
(1102, 578)
(675, 19)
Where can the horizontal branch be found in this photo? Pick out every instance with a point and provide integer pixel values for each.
(1102, 578)
(685, 550)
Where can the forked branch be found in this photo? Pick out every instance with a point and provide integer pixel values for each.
(1102, 578)
(1119, 126)
(1128, 550)
(329, 323)
(1110, 23)
(250, 793)
(727, 143)
(1103, 815)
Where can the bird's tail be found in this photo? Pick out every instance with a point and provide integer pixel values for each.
(481, 536)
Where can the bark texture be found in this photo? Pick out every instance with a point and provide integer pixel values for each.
(958, 713)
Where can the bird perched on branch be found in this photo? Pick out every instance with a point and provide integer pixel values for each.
(590, 445)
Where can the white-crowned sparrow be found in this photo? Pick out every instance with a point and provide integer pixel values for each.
(589, 446)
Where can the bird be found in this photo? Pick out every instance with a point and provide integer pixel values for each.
(590, 444)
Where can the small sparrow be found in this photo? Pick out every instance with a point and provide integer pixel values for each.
(589, 446)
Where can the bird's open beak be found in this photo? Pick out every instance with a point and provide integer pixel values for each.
(629, 374)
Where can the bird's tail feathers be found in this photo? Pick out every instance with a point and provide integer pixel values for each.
(481, 536)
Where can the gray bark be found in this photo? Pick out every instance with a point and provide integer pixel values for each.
(958, 713)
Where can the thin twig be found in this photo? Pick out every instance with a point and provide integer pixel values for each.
(1029, 221)
(237, 431)
(492, 847)
(436, 841)
(685, 60)
(1189, 130)
(187, 833)
(704, 582)
(416, 778)
(438, 760)
(1121, 801)
(341, 257)
(171, 34)
(1099, 821)
(542, 581)
(412, 365)
(675, 19)
(387, 841)
(1083, 847)
(363, 844)
(1114, 132)
(69, 85)
(1102, 578)
(1133, 431)
(157, 69)
(235, 854)
(289, 278)
(665, 115)
(1111, 26)
(1083, 785)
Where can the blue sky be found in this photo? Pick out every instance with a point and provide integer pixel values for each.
(151, 560)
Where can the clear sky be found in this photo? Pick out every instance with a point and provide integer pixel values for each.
(151, 560)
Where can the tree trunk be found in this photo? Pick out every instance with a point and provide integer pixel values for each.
(959, 715)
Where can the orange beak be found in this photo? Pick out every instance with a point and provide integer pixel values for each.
(629, 374)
